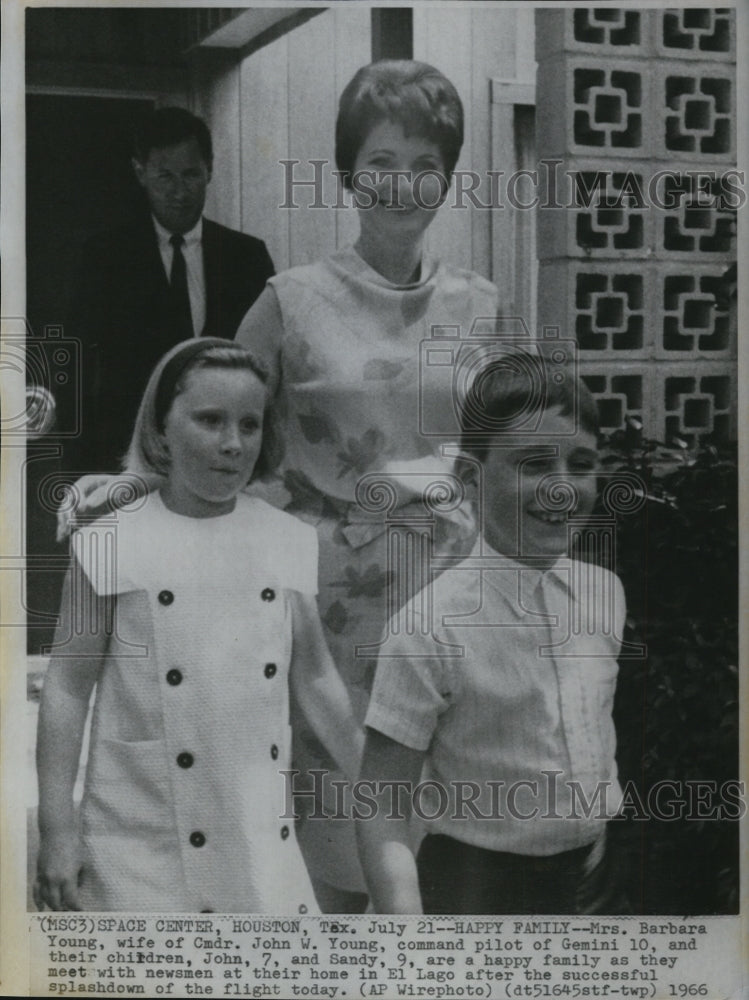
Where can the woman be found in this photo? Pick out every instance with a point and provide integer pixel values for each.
(342, 340)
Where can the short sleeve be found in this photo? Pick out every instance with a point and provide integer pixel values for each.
(413, 686)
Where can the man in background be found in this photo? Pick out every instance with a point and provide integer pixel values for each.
(169, 275)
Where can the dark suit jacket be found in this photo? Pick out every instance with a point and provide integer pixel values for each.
(120, 313)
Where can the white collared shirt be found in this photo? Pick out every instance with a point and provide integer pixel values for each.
(511, 686)
(192, 250)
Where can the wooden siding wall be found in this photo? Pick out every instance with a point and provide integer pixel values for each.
(280, 103)
(472, 47)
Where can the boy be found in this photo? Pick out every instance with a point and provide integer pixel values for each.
(503, 699)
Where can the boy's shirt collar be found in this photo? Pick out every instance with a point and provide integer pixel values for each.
(503, 571)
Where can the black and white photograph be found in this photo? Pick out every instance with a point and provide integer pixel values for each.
(371, 448)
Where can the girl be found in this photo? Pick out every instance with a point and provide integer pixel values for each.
(191, 628)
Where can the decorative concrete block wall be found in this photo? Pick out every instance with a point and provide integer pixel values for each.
(637, 109)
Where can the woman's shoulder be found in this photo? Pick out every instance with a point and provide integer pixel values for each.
(451, 277)
(345, 264)
(304, 275)
(331, 271)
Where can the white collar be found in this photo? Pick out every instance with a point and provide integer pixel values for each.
(505, 580)
(191, 238)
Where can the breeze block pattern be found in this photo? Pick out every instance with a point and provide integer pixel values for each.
(636, 110)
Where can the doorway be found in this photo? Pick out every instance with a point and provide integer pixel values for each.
(78, 181)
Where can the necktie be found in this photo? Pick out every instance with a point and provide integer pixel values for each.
(180, 297)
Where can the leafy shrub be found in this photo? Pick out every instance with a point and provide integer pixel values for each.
(676, 710)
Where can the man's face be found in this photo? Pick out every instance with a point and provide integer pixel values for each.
(175, 179)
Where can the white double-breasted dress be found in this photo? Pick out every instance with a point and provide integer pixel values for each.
(184, 803)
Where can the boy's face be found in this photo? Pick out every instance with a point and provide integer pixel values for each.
(531, 487)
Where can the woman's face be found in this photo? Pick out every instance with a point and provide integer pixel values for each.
(399, 181)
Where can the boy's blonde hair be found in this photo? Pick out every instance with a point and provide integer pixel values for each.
(148, 454)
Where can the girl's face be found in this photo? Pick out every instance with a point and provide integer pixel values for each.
(213, 432)
(398, 182)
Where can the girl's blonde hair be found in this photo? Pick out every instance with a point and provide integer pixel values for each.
(148, 454)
